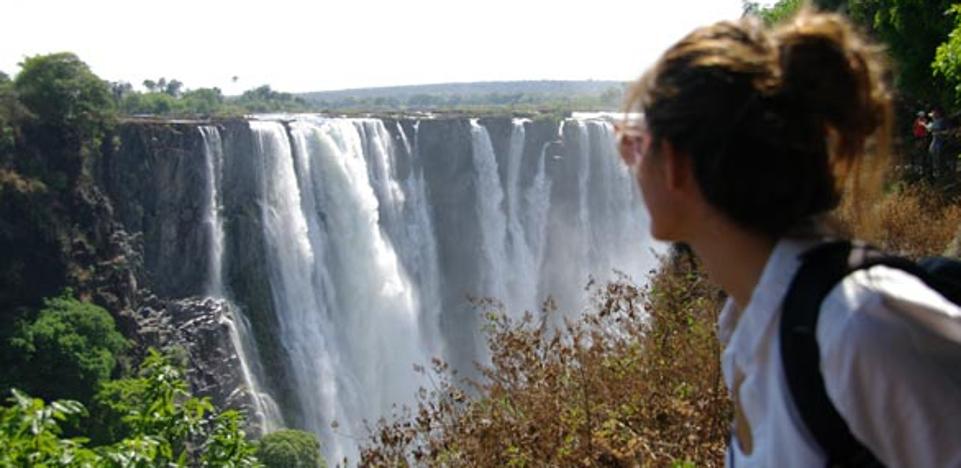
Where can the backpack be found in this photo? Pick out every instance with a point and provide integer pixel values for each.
(822, 268)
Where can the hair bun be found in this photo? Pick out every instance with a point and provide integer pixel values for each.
(831, 75)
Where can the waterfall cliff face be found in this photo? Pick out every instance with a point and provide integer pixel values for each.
(346, 250)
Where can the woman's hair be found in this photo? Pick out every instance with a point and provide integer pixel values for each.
(775, 121)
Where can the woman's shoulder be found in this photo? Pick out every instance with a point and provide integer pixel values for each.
(883, 297)
(891, 359)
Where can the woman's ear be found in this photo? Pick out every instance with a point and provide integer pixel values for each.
(679, 173)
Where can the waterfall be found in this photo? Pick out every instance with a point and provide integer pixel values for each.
(214, 156)
(266, 412)
(493, 222)
(369, 233)
(297, 290)
(348, 312)
(537, 200)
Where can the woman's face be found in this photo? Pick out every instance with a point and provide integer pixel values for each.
(638, 152)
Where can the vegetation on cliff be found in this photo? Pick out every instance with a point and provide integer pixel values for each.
(54, 118)
(68, 294)
(65, 352)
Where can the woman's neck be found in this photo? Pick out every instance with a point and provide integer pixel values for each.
(733, 257)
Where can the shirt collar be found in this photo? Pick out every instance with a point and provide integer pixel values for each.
(763, 308)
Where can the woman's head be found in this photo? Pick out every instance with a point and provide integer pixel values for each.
(770, 121)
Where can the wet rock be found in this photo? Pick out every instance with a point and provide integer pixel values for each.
(200, 329)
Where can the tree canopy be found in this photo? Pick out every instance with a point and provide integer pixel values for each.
(922, 38)
(290, 448)
(66, 352)
(947, 60)
(61, 92)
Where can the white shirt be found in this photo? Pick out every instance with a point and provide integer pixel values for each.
(890, 356)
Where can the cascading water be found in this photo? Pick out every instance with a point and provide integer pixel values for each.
(266, 413)
(298, 290)
(213, 155)
(371, 233)
(348, 312)
(490, 196)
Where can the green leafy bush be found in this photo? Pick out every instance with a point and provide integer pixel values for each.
(947, 59)
(67, 351)
(162, 425)
(290, 448)
(30, 433)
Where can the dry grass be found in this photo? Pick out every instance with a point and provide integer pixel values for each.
(912, 220)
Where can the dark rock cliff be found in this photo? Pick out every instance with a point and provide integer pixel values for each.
(155, 180)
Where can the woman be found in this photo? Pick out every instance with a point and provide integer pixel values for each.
(748, 137)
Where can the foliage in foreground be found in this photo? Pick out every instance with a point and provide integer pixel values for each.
(289, 448)
(636, 382)
(163, 425)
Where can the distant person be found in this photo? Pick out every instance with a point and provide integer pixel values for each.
(920, 127)
(920, 132)
(937, 127)
(748, 136)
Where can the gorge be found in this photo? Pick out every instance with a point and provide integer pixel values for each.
(309, 262)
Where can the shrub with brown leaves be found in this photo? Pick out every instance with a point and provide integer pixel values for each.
(635, 383)
(912, 220)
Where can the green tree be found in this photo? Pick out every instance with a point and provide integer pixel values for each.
(947, 60)
(203, 101)
(67, 351)
(290, 448)
(775, 13)
(911, 31)
(164, 425)
(62, 93)
(120, 90)
(173, 88)
(11, 114)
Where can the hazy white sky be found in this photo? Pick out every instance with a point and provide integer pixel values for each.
(335, 44)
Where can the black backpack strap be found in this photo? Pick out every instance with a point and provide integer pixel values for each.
(821, 269)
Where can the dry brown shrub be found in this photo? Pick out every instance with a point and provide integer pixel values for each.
(635, 383)
(912, 220)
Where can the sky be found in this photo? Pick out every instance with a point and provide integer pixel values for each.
(300, 46)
